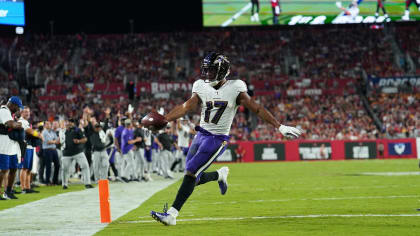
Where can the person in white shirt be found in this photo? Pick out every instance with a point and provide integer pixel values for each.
(8, 150)
(183, 131)
(27, 160)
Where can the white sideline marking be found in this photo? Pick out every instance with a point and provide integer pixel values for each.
(317, 199)
(237, 14)
(275, 217)
(76, 213)
(392, 173)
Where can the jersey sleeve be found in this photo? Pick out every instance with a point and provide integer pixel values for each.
(241, 86)
(5, 116)
(196, 86)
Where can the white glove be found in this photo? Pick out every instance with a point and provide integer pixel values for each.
(338, 4)
(130, 109)
(289, 131)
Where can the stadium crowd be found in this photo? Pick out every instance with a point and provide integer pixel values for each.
(114, 147)
(58, 78)
(399, 114)
(66, 65)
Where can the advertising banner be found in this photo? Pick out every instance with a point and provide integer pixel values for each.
(395, 81)
(315, 151)
(360, 150)
(269, 151)
(399, 149)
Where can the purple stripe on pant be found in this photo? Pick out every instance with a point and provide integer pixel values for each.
(204, 150)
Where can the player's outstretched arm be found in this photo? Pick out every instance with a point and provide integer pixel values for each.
(245, 100)
(181, 110)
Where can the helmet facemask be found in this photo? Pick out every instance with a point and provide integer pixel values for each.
(215, 68)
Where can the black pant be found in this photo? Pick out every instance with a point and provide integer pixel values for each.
(41, 171)
(275, 16)
(51, 155)
(409, 2)
(255, 3)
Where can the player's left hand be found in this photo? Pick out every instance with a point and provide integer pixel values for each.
(289, 131)
(338, 4)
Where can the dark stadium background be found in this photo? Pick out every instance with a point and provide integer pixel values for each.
(109, 16)
(113, 17)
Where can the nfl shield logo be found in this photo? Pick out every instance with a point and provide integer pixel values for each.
(399, 148)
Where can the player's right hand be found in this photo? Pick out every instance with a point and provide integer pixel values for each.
(290, 131)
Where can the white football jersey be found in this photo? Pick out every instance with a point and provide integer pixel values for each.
(183, 136)
(218, 106)
(353, 12)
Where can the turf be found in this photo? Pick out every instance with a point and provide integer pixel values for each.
(280, 189)
(215, 12)
(44, 192)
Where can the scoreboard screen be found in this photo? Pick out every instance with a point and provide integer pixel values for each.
(312, 12)
(12, 12)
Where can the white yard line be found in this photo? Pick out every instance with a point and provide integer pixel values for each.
(277, 217)
(392, 173)
(238, 14)
(76, 213)
(315, 199)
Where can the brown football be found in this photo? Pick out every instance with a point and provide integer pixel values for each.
(154, 121)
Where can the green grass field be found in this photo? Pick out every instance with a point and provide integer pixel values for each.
(216, 12)
(292, 198)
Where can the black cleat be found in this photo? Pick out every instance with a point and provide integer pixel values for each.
(9, 195)
(65, 187)
(88, 186)
(125, 179)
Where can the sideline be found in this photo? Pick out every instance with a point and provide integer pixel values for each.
(76, 213)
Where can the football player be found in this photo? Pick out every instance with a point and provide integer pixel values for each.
(352, 11)
(254, 13)
(408, 3)
(275, 7)
(219, 99)
(380, 5)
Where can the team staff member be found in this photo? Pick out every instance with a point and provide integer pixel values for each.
(74, 150)
(31, 139)
(49, 152)
(166, 142)
(100, 161)
(139, 152)
(8, 155)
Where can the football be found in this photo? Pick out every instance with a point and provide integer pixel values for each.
(154, 121)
